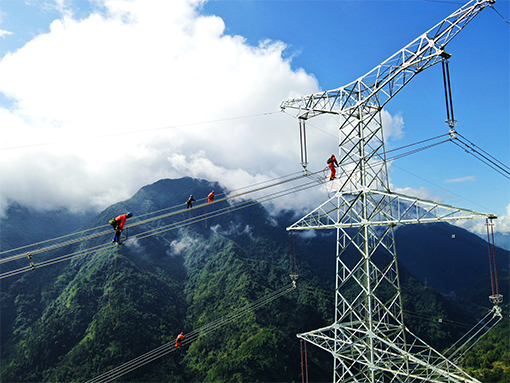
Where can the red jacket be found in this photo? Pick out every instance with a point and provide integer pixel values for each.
(122, 219)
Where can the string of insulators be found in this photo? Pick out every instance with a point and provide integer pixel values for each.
(293, 263)
(302, 142)
(304, 366)
(450, 120)
(496, 297)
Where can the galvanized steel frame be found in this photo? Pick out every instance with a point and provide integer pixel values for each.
(369, 340)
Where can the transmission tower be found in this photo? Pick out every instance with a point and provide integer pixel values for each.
(368, 339)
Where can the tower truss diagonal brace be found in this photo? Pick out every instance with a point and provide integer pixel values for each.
(385, 209)
(415, 360)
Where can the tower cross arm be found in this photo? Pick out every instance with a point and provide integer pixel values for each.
(384, 209)
(379, 85)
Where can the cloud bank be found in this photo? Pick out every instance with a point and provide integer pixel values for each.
(138, 91)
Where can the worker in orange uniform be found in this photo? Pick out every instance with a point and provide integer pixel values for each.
(210, 197)
(178, 341)
(118, 226)
(331, 163)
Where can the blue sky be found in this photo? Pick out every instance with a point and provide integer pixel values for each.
(106, 68)
(340, 41)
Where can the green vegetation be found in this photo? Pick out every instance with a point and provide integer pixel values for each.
(76, 320)
(489, 360)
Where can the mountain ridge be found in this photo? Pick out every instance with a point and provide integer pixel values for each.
(75, 320)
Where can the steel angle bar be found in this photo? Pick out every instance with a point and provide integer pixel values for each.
(398, 210)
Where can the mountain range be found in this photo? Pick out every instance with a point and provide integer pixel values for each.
(77, 319)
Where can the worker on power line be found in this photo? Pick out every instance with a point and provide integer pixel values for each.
(118, 226)
(178, 340)
(210, 197)
(189, 202)
(331, 163)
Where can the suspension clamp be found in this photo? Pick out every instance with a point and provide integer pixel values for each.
(496, 299)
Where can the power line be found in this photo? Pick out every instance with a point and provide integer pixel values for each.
(262, 185)
(495, 10)
(481, 155)
(137, 131)
(157, 230)
(169, 347)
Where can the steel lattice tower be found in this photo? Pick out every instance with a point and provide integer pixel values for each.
(368, 339)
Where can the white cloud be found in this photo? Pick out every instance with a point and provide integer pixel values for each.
(462, 179)
(422, 193)
(85, 85)
(501, 224)
(144, 90)
(5, 33)
(393, 126)
(236, 229)
(177, 246)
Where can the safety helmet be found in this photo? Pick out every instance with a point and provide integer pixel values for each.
(129, 214)
(182, 333)
(191, 195)
(213, 191)
(332, 155)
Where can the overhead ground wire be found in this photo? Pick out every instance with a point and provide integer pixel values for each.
(138, 131)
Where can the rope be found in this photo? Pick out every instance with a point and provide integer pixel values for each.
(477, 340)
(288, 178)
(53, 247)
(190, 337)
(56, 260)
(48, 240)
(467, 333)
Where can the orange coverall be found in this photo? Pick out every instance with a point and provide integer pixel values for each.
(210, 197)
(332, 166)
(178, 341)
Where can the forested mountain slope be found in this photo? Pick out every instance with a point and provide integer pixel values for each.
(78, 319)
